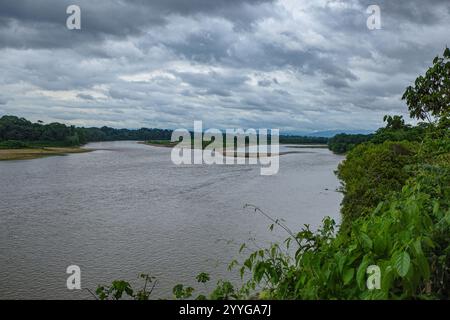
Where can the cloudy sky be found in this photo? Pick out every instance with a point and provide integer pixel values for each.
(289, 64)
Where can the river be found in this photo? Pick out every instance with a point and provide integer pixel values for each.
(126, 209)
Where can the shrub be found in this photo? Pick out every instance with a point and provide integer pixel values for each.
(13, 144)
(406, 236)
(370, 172)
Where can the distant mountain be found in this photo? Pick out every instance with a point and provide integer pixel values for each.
(325, 133)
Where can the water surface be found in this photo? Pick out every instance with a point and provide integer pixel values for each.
(125, 209)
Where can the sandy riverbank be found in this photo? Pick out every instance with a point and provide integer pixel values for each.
(33, 153)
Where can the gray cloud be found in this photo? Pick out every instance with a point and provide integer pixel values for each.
(309, 65)
(85, 96)
(41, 24)
(3, 101)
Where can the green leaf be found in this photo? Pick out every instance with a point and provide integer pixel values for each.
(348, 275)
(447, 53)
(447, 217)
(203, 277)
(387, 279)
(422, 261)
(341, 261)
(402, 263)
(367, 242)
(361, 273)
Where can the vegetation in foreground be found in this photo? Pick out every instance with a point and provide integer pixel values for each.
(395, 218)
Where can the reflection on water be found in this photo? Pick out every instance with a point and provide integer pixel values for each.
(125, 209)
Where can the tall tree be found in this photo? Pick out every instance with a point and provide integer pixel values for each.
(430, 96)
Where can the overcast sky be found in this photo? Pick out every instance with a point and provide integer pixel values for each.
(289, 64)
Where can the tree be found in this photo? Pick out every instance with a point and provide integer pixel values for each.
(342, 143)
(394, 122)
(369, 173)
(430, 96)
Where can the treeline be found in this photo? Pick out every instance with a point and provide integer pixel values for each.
(341, 143)
(395, 130)
(292, 139)
(18, 132)
(111, 134)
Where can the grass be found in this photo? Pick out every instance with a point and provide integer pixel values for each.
(33, 153)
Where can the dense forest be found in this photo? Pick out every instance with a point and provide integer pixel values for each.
(342, 143)
(395, 130)
(292, 139)
(20, 133)
(395, 219)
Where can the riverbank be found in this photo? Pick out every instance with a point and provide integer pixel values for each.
(229, 152)
(33, 153)
(168, 143)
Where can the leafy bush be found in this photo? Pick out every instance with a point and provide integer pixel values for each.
(430, 95)
(406, 236)
(13, 144)
(342, 143)
(119, 288)
(372, 171)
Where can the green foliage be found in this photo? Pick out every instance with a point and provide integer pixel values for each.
(406, 236)
(397, 130)
(430, 96)
(286, 139)
(394, 122)
(370, 172)
(342, 143)
(224, 291)
(181, 292)
(13, 144)
(115, 291)
(396, 215)
(14, 130)
(120, 288)
(111, 134)
(203, 277)
(20, 133)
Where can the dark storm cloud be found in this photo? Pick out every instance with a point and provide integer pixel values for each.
(85, 96)
(417, 12)
(212, 79)
(336, 82)
(264, 83)
(299, 65)
(42, 23)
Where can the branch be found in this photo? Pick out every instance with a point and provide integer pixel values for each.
(275, 221)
